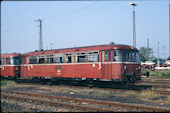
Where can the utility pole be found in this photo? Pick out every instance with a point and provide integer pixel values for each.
(158, 61)
(40, 35)
(51, 45)
(134, 26)
(169, 29)
(148, 49)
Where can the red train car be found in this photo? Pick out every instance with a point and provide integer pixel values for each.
(10, 65)
(110, 62)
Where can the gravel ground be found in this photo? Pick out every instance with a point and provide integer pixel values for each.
(12, 105)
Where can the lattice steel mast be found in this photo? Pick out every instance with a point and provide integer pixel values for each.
(134, 24)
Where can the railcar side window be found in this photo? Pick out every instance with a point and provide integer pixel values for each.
(68, 58)
(93, 57)
(49, 59)
(33, 60)
(58, 59)
(41, 59)
(81, 57)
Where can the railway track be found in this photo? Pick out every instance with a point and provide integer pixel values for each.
(77, 103)
(155, 84)
(136, 88)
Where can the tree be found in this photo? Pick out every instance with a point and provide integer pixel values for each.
(168, 58)
(146, 54)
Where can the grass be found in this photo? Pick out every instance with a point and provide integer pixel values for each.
(8, 83)
(149, 95)
(168, 98)
(158, 73)
(132, 94)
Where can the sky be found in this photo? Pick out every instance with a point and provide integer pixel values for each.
(83, 23)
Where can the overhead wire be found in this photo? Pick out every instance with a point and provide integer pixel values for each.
(16, 28)
(57, 34)
(98, 9)
(91, 12)
(72, 11)
(61, 15)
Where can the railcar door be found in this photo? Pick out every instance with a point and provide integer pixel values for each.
(106, 65)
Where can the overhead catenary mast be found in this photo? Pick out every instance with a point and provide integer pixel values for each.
(148, 53)
(40, 35)
(158, 60)
(134, 25)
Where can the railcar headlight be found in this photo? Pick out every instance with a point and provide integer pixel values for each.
(138, 68)
(125, 67)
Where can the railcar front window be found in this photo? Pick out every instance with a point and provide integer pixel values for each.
(11, 61)
(126, 56)
(7, 60)
(17, 60)
(137, 59)
(1, 61)
(106, 56)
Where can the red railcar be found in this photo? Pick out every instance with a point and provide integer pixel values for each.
(110, 62)
(10, 65)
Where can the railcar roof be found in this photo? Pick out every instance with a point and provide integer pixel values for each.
(10, 55)
(84, 48)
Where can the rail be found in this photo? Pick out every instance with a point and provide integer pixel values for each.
(78, 103)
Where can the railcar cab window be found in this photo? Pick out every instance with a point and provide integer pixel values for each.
(108, 55)
(41, 59)
(1, 61)
(33, 60)
(93, 56)
(117, 55)
(17, 60)
(49, 59)
(9, 60)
